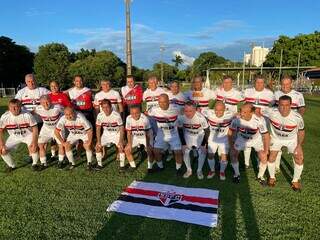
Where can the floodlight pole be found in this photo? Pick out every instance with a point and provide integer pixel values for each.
(128, 39)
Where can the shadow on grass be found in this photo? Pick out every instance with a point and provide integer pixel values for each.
(122, 226)
(286, 169)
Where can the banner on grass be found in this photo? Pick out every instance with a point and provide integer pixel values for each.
(162, 201)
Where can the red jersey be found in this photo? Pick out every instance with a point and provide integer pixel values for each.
(60, 98)
(81, 98)
(132, 96)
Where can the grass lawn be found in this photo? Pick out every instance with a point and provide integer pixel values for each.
(59, 204)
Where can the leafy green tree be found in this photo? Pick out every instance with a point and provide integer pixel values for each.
(308, 45)
(103, 65)
(15, 61)
(169, 71)
(207, 60)
(51, 63)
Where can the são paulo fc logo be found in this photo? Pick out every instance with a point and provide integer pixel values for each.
(168, 198)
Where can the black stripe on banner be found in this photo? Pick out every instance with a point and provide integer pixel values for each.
(156, 203)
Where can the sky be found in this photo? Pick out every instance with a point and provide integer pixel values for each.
(186, 26)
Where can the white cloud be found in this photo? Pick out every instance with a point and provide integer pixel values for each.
(188, 61)
(147, 41)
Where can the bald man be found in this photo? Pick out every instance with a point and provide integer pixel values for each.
(219, 121)
(167, 136)
(249, 131)
(79, 129)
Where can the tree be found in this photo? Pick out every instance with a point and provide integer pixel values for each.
(207, 60)
(15, 61)
(102, 65)
(177, 61)
(51, 63)
(169, 71)
(308, 45)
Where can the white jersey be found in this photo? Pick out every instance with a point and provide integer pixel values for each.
(249, 130)
(151, 97)
(167, 122)
(193, 129)
(30, 97)
(260, 99)
(49, 117)
(230, 98)
(296, 97)
(79, 126)
(138, 128)
(285, 128)
(111, 124)
(112, 95)
(201, 98)
(219, 126)
(18, 126)
(177, 100)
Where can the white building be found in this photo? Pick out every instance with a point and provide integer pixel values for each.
(257, 56)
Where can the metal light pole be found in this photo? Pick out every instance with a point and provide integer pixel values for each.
(280, 67)
(298, 69)
(161, 62)
(128, 38)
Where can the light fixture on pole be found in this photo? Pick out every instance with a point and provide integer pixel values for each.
(161, 62)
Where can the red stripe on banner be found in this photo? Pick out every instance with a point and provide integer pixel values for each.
(184, 198)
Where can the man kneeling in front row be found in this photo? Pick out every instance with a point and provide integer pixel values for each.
(22, 128)
(166, 117)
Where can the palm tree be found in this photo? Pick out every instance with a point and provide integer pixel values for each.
(177, 61)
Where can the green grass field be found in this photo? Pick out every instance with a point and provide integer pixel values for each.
(56, 204)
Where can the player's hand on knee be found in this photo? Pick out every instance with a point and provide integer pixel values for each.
(298, 153)
(184, 148)
(120, 146)
(4, 150)
(33, 147)
(203, 149)
(128, 148)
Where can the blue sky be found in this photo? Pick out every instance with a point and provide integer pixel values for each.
(188, 26)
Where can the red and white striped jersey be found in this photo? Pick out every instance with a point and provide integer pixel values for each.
(49, 117)
(111, 124)
(251, 129)
(219, 126)
(30, 97)
(79, 126)
(177, 100)
(201, 98)
(193, 128)
(230, 98)
(296, 97)
(285, 128)
(138, 127)
(151, 97)
(18, 126)
(81, 98)
(260, 99)
(167, 122)
(111, 95)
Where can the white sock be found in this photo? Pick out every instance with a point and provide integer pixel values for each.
(89, 156)
(186, 159)
(60, 157)
(262, 169)
(272, 169)
(43, 160)
(53, 153)
(160, 164)
(132, 164)
(35, 158)
(70, 157)
(223, 165)
(297, 172)
(150, 164)
(247, 154)
(211, 163)
(201, 159)
(8, 160)
(278, 159)
(99, 158)
(178, 166)
(122, 159)
(235, 166)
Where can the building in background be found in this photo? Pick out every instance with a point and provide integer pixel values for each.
(257, 56)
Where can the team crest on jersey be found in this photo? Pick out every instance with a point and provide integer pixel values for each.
(168, 198)
(257, 101)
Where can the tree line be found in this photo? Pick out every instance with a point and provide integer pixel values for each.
(54, 61)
